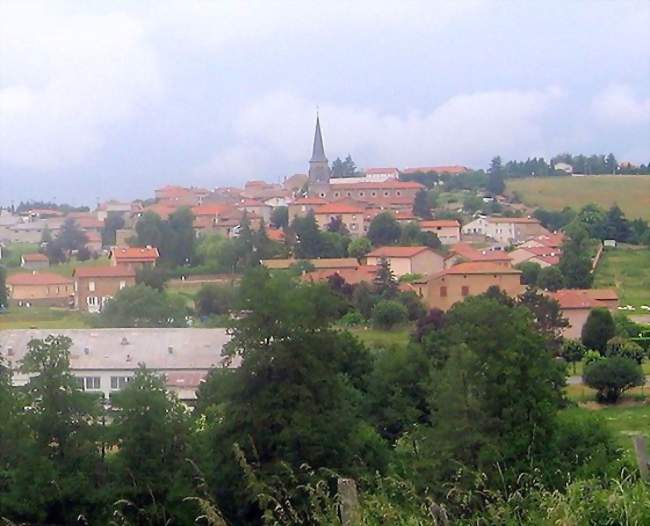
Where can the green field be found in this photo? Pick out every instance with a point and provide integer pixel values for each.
(631, 193)
(375, 338)
(43, 318)
(628, 271)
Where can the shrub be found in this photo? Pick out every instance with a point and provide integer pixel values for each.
(352, 318)
(414, 307)
(619, 346)
(388, 313)
(592, 356)
(215, 299)
(598, 330)
(612, 376)
(529, 272)
(550, 278)
(573, 351)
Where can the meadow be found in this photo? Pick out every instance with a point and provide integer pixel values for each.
(628, 271)
(631, 193)
(43, 318)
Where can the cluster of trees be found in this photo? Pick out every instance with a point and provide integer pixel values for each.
(173, 237)
(598, 164)
(446, 427)
(613, 351)
(346, 168)
(71, 239)
(26, 206)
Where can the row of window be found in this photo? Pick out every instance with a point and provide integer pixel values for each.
(93, 383)
(91, 285)
(362, 194)
(464, 291)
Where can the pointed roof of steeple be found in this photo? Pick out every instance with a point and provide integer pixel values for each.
(318, 152)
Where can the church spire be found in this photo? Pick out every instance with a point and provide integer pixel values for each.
(318, 152)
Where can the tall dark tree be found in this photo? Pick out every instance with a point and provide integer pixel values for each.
(71, 237)
(309, 243)
(575, 262)
(384, 230)
(3, 288)
(112, 224)
(422, 205)
(496, 184)
(280, 217)
(384, 281)
(598, 330)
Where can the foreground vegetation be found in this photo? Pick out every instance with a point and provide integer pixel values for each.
(631, 193)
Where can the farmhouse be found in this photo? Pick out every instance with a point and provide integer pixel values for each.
(94, 286)
(34, 261)
(447, 230)
(505, 230)
(407, 260)
(454, 284)
(104, 360)
(134, 257)
(40, 288)
(576, 304)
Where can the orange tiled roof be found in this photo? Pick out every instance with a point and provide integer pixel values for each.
(442, 223)
(309, 201)
(480, 267)
(515, 220)
(210, 209)
(104, 271)
(35, 257)
(339, 208)
(583, 298)
(353, 276)
(38, 278)
(397, 252)
(135, 254)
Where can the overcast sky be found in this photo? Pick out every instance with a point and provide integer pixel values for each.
(111, 99)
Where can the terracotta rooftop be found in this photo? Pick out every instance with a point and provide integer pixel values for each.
(515, 220)
(38, 278)
(211, 209)
(309, 201)
(320, 263)
(353, 276)
(340, 208)
(480, 267)
(442, 223)
(467, 251)
(135, 254)
(397, 252)
(584, 298)
(104, 271)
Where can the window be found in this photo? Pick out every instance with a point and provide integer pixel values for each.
(385, 194)
(90, 383)
(398, 193)
(91, 300)
(122, 284)
(443, 292)
(118, 382)
(373, 194)
(353, 226)
(91, 286)
(361, 194)
(349, 194)
(464, 291)
(337, 194)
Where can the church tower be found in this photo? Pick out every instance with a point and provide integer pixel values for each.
(319, 170)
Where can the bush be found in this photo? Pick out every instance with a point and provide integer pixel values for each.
(388, 313)
(598, 330)
(573, 351)
(592, 356)
(529, 272)
(153, 277)
(618, 346)
(352, 318)
(550, 278)
(611, 377)
(414, 307)
(215, 299)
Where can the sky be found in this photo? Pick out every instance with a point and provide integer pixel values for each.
(112, 99)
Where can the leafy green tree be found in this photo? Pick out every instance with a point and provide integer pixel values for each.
(619, 346)
(497, 394)
(142, 306)
(150, 230)
(46, 236)
(280, 217)
(398, 389)
(550, 278)
(617, 226)
(422, 205)
(529, 272)
(71, 237)
(359, 247)
(472, 203)
(415, 309)
(364, 299)
(547, 315)
(309, 243)
(151, 431)
(385, 283)
(154, 277)
(214, 299)
(112, 224)
(573, 351)
(388, 313)
(594, 219)
(64, 422)
(598, 330)
(496, 184)
(180, 248)
(575, 262)
(291, 400)
(611, 377)
(334, 245)
(384, 230)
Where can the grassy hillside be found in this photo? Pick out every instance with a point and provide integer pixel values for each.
(631, 193)
(628, 271)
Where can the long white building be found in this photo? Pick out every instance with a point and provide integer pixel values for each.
(104, 360)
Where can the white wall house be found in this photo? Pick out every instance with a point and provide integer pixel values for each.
(104, 360)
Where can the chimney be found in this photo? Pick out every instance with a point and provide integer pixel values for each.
(128, 358)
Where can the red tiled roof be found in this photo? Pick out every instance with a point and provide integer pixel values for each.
(480, 267)
(88, 222)
(353, 276)
(105, 271)
(339, 208)
(38, 278)
(211, 209)
(135, 254)
(36, 257)
(469, 252)
(309, 201)
(382, 185)
(162, 210)
(584, 298)
(442, 223)
(453, 169)
(397, 252)
(514, 220)
(180, 379)
(275, 234)
(381, 170)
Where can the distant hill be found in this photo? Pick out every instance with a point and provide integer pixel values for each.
(630, 192)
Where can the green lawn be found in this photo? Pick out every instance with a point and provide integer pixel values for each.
(628, 271)
(631, 193)
(14, 251)
(626, 421)
(65, 269)
(375, 338)
(43, 318)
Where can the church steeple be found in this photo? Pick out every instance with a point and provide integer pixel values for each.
(319, 169)
(318, 151)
